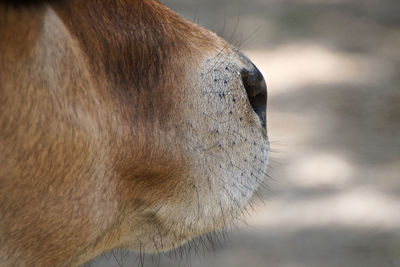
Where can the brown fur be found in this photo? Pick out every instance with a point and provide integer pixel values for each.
(91, 116)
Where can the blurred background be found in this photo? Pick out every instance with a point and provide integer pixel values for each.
(333, 74)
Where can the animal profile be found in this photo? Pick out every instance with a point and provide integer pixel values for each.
(122, 125)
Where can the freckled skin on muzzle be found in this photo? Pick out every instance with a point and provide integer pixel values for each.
(225, 141)
(125, 126)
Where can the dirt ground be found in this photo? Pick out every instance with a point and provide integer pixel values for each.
(333, 73)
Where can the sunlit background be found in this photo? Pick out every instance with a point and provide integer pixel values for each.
(333, 74)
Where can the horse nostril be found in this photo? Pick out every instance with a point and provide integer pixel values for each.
(256, 89)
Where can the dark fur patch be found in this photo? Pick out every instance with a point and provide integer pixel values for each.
(25, 3)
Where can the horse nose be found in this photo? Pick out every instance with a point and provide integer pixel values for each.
(256, 89)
